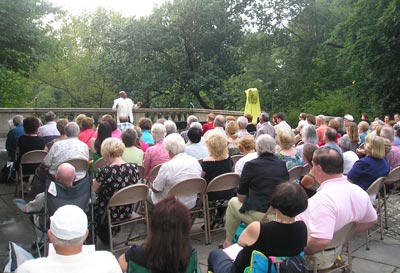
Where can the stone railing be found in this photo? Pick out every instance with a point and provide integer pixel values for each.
(178, 115)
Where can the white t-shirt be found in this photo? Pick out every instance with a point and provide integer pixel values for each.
(96, 262)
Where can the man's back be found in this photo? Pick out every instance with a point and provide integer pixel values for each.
(96, 262)
(336, 203)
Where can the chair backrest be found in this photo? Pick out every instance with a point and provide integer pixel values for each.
(58, 195)
(154, 171)
(375, 187)
(223, 182)
(343, 235)
(192, 267)
(189, 187)
(129, 195)
(393, 176)
(31, 157)
(99, 163)
(141, 171)
(306, 169)
(295, 173)
(235, 159)
(80, 164)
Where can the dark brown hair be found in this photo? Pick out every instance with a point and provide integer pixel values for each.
(289, 198)
(31, 125)
(167, 246)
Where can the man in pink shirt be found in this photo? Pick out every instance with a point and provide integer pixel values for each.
(336, 204)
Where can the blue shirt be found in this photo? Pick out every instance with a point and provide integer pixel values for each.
(12, 141)
(366, 170)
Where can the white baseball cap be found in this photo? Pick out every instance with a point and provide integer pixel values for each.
(69, 222)
(348, 117)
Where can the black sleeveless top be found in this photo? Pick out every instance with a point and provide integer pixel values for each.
(275, 239)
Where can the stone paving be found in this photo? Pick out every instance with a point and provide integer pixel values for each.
(383, 255)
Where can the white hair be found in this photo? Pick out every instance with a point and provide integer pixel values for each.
(174, 144)
(265, 144)
(158, 132)
(196, 124)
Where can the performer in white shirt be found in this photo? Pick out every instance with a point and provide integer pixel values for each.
(123, 105)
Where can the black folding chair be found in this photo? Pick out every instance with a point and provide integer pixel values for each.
(58, 195)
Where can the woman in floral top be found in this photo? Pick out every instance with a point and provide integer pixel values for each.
(115, 176)
(287, 152)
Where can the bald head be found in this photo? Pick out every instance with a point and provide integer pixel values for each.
(122, 94)
(219, 121)
(65, 174)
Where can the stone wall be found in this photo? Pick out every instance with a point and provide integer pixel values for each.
(175, 114)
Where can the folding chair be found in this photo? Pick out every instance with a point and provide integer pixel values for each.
(192, 267)
(340, 238)
(130, 195)
(191, 187)
(375, 190)
(306, 169)
(99, 163)
(58, 195)
(392, 178)
(295, 173)
(223, 182)
(153, 174)
(32, 157)
(235, 159)
(81, 165)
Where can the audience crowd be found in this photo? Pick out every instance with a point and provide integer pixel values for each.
(344, 158)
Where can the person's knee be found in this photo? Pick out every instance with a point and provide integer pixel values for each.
(211, 259)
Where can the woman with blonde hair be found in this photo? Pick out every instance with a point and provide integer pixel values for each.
(218, 162)
(115, 176)
(288, 153)
(232, 130)
(374, 165)
(247, 147)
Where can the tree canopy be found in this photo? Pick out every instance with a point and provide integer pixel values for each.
(316, 56)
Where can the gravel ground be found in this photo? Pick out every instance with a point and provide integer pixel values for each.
(393, 210)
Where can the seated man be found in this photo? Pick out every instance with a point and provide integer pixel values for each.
(180, 167)
(65, 175)
(336, 204)
(68, 230)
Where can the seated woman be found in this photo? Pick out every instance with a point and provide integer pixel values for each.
(232, 130)
(132, 154)
(28, 142)
(218, 162)
(103, 132)
(367, 169)
(308, 181)
(156, 154)
(145, 124)
(352, 134)
(167, 247)
(259, 179)
(281, 237)
(247, 147)
(115, 176)
(308, 136)
(287, 153)
(87, 132)
(349, 156)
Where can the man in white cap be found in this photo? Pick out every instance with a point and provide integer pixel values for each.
(68, 230)
(347, 118)
(123, 106)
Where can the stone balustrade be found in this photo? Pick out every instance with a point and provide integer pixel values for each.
(176, 114)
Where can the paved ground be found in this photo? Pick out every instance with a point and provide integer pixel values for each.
(383, 256)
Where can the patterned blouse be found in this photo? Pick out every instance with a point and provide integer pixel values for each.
(112, 179)
(291, 161)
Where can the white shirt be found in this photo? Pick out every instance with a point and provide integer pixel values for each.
(240, 163)
(49, 129)
(179, 168)
(125, 107)
(63, 150)
(216, 130)
(349, 159)
(197, 150)
(282, 124)
(96, 262)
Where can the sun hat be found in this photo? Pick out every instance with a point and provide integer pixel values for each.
(348, 117)
(68, 222)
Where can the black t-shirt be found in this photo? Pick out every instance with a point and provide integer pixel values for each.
(27, 144)
(214, 168)
(275, 239)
